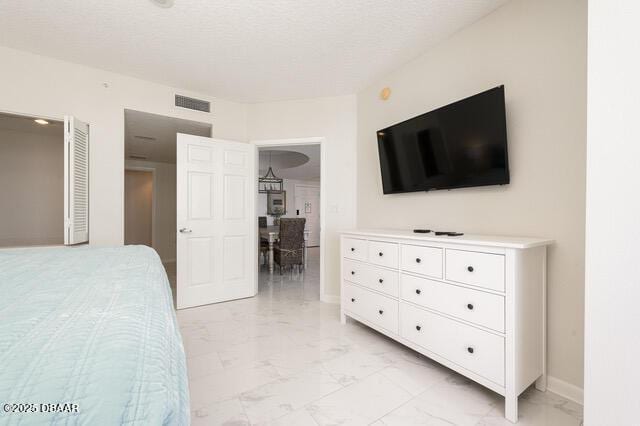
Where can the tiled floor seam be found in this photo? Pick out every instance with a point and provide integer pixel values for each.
(352, 384)
(398, 406)
(305, 405)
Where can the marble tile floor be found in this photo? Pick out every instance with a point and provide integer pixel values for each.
(283, 358)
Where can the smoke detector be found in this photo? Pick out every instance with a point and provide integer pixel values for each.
(163, 3)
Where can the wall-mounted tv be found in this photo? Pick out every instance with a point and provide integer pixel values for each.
(460, 145)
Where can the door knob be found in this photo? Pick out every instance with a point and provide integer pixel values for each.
(185, 230)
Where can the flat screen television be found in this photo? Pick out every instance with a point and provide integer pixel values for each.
(460, 145)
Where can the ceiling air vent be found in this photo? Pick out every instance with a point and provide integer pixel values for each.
(191, 103)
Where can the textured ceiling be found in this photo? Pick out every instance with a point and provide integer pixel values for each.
(153, 136)
(243, 50)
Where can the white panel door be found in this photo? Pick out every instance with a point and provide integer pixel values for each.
(216, 235)
(307, 201)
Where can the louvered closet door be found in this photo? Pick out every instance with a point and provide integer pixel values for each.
(216, 220)
(76, 181)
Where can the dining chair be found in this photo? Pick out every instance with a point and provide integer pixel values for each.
(264, 243)
(289, 250)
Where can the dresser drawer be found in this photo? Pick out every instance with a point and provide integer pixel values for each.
(478, 307)
(383, 280)
(480, 269)
(379, 279)
(376, 308)
(353, 271)
(478, 351)
(384, 254)
(421, 260)
(354, 248)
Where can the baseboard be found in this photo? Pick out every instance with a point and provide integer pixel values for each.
(330, 298)
(565, 389)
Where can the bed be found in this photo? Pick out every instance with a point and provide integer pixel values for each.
(88, 336)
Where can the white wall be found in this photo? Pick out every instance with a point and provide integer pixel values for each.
(41, 86)
(537, 49)
(289, 186)
(164, 225)
(31, 188)
(334, 119)
(612, 335)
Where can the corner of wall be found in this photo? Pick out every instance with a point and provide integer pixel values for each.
(565, 389)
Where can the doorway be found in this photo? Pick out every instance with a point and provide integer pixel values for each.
(31, 181)
(298, 164)
(138, 207)
(150, 181)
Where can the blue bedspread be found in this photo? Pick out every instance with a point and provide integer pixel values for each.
(93, 327)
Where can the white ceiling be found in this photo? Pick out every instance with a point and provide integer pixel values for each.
(242, 50)
(284, 165)
(154, 136)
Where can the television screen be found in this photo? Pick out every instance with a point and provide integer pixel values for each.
(460, 145)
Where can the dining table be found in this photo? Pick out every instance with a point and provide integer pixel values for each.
(272, 235)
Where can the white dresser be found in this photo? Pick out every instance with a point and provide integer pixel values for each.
(475, 304)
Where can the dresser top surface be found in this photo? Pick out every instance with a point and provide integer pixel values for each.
(468, 239)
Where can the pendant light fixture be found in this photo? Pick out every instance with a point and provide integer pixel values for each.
(270, 182)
